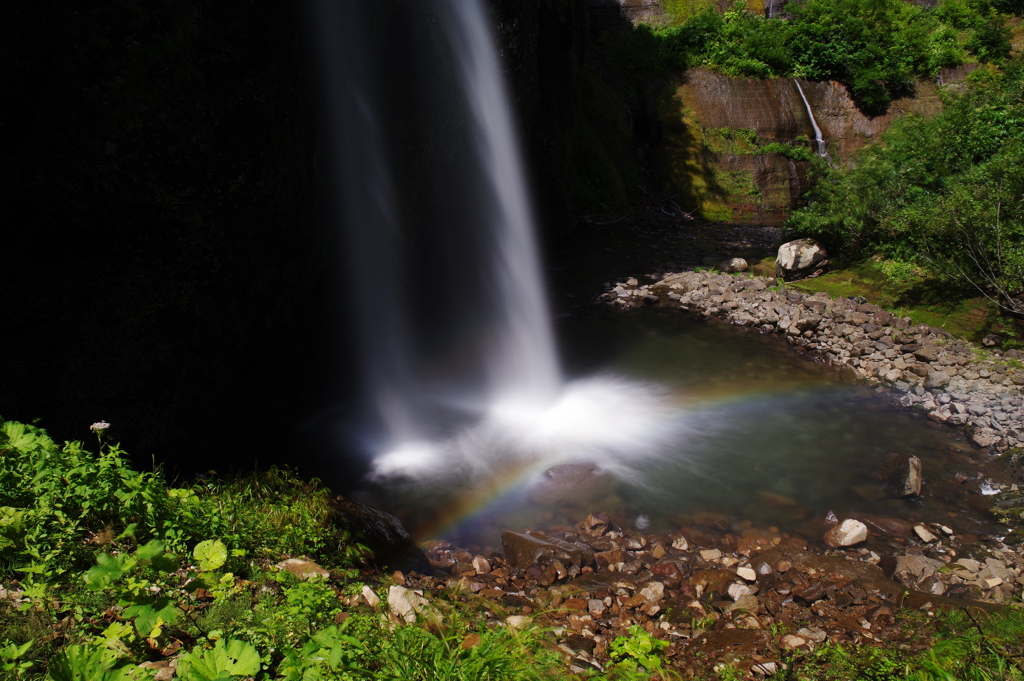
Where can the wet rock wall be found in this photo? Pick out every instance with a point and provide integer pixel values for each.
(715, 126)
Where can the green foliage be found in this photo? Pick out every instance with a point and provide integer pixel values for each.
(326, 656)
(790, 151)
(272, 514)
(54, 498)
(501, 654)
(838, 663)
(211, 554)
(11, 662)
(115, 604)
(89, 663)
(228, 659)
(638, 648)
(144, 601)
(944, 193)
(877, 48)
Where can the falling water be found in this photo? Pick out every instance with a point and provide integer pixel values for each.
(819, 141)
(523, 368)
(463, 379)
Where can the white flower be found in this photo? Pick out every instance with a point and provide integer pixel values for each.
(99, 425)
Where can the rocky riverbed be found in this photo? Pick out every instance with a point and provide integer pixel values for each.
(718, 589)
(953, 381)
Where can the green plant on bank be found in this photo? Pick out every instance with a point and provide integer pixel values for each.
(941, 198)
(226, 615)
(11, 662)
(637, 649)
(58, 502)
(190, 569)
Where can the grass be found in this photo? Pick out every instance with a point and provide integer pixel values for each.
(924, 301)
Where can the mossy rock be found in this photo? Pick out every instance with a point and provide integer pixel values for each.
(765, 268)
(1009, 510)
(1014, 538)
(1009, 465)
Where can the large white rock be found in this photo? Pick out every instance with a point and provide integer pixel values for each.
(846, 533)
(407, 603)
(799, 259)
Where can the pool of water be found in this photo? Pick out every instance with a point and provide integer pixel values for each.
(760, 434)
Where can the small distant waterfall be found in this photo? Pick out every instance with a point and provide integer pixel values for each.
(819, 140)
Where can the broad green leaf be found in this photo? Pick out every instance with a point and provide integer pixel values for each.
(88, 663)
(166, 563)
(150, 550)
(150, 612)
(107, 570)
(227, 660)
(33, 569)
(128, 532)
(13, 652)
(211, 554)
(116, 631)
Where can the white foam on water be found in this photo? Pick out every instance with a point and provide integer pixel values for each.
(606, 420)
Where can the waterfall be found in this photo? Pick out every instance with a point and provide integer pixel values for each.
(445, 288)
(501, 330)
(523, 367)
(819, 141)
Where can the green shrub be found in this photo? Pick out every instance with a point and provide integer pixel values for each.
(943, 193)
(57, 503)
(877, 48)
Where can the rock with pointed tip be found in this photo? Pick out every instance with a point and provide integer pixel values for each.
(847, 533)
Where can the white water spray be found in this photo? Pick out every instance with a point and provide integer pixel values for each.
(819, 140)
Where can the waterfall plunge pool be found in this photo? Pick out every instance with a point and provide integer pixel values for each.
(711, 422)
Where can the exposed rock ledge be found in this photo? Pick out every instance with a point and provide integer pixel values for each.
(931, 371)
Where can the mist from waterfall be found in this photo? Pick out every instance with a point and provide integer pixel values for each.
(445, 286)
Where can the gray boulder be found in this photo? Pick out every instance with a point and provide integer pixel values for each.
(733, 265)
(800, 259)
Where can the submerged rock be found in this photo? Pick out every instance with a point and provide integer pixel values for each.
(525, 550)
(573, 484)
(890, 527)
(901, 475)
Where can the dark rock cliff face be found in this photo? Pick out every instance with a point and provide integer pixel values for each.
(158, 196)
(714, 126)
(575, 127)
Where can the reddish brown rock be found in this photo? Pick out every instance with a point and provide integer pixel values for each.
(523, 550)
(885, 525)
